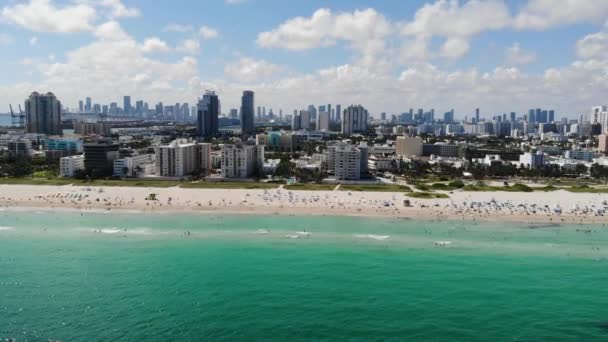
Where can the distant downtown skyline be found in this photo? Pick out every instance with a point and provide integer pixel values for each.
(498, 55)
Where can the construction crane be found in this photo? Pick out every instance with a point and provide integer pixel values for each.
(21, 118)
(18, 121)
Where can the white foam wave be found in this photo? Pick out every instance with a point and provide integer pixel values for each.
(372, 237)
(6, 229)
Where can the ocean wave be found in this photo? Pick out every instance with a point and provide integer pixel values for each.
(6, 229)
(372, 237)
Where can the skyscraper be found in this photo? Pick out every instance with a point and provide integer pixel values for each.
(208, 112)
(88, 105)
(43, 114)
(323, 121)
(476, 115)
(127, 105)
(247, 114)
(338, 113)
(354, 120)
(80, 106)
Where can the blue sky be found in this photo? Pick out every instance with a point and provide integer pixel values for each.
(387, 55)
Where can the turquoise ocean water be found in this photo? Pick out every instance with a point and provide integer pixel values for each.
(73, 277)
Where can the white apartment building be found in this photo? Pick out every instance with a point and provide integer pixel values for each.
(178, 159)
(133, 166)
(344, 161)
(409, 146)
(241, 161)
(69, 165)
(533, 160)
(206, 159)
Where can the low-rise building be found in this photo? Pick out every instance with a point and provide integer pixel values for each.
(533, 160)
(380, 164)
(68, 166)
(20, 148)
(134, 166)
(99, 157)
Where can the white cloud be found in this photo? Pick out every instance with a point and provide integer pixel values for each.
(543, 14)
(189, 46)
(44, 16)
(33, 41)
(110, 31)
(112, 65)
(178, 28)
(364, 29)
(455, 23)
(594, 46)
(154, 44)
(252, 70)
(207, 32)
(234, 2)
(515, 55)
(118, 9)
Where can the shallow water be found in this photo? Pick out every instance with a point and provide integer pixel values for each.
(156, 277)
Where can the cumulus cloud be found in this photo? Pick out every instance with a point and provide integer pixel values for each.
(365, 30)
(44, 16)
(543, 14)
(118, 9)
(252, 70)
(455, 23)
(515, 55)
(594, 46)
(114, 64)
(207, 32)
(33, 41)
(154, 44)
(189, 46)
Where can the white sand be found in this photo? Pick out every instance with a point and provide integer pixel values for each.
(495, 206)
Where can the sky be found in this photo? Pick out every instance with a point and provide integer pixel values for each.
(389, 55)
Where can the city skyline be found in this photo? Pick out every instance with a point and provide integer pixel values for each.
(501, 56)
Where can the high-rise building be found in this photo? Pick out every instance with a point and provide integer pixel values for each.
(551, 116)
(43, 114)
(208, 113)
(531, 116)
(448, 117)
(126, 108)
(242, 161)
(234, 113)
(603, 143)
(345, 161)
(301, 120)
(323, 121)
(409, 146)
(80, 106)
(476, 115)
(354, 120)
(247, 114)
(178, 159)
(338, 113)
(88, 104)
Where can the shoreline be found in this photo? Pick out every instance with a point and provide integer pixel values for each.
(535, 208)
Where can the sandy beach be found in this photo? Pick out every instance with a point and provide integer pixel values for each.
(536, 207)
